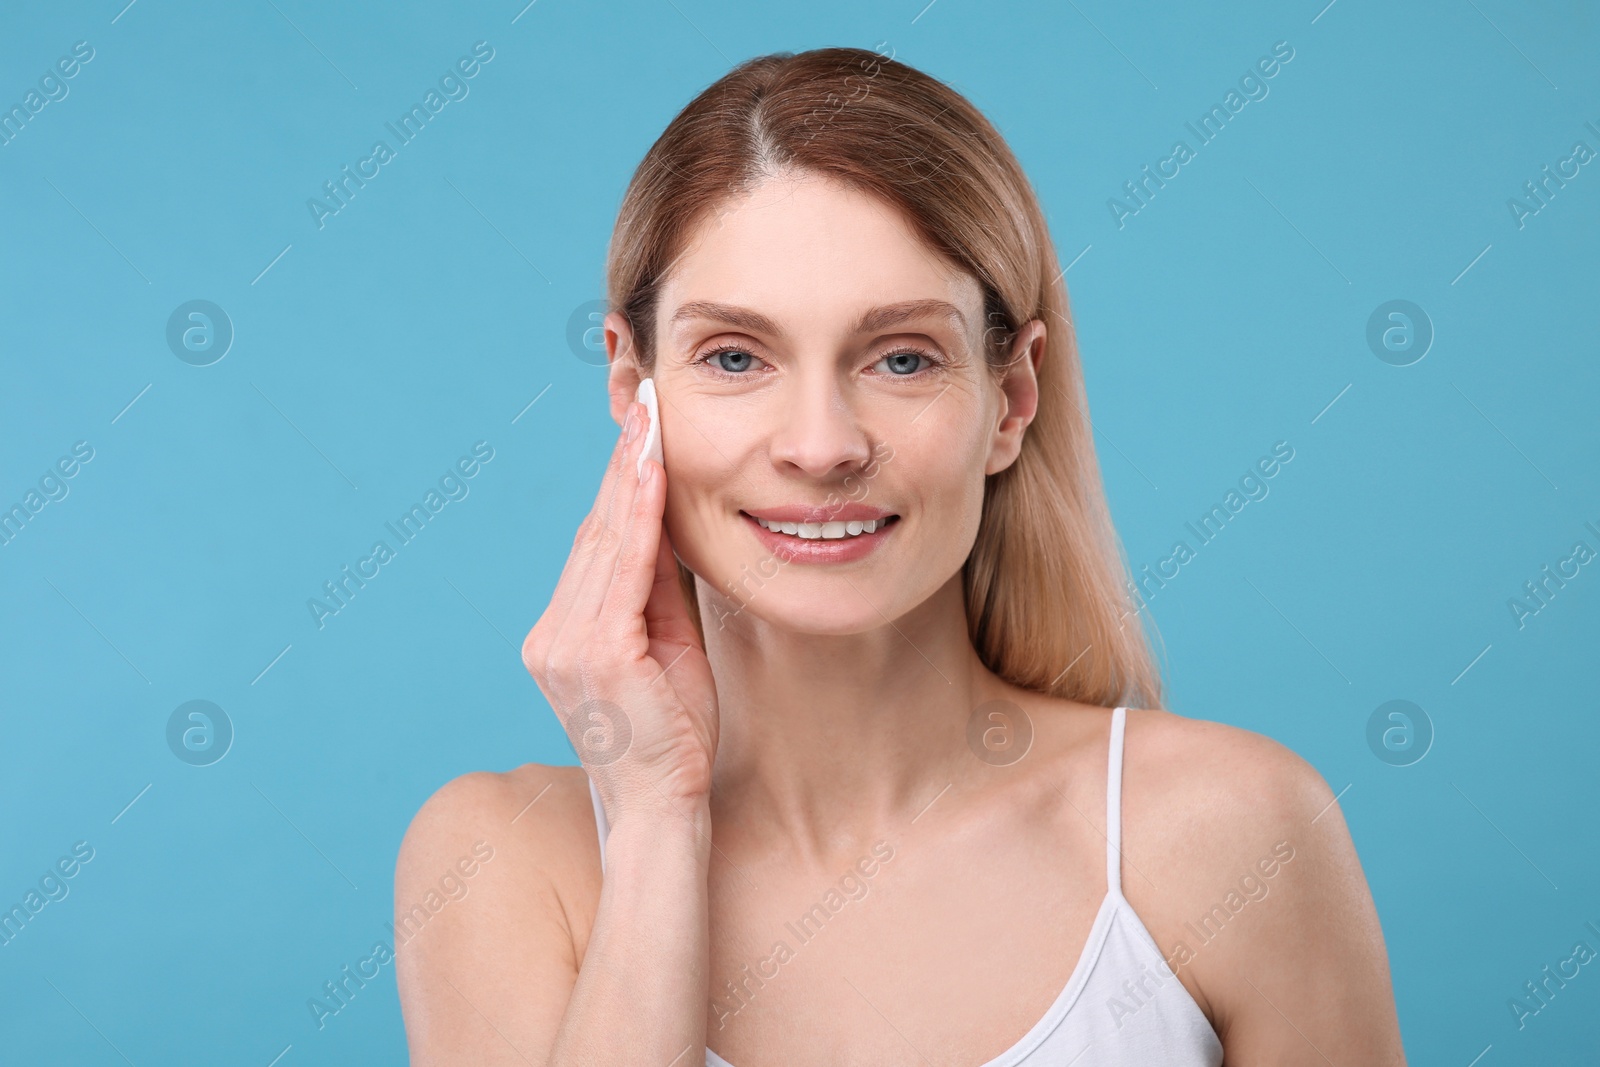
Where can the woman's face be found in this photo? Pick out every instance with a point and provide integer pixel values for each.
(816, 364)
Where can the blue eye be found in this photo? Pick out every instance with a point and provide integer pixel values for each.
(730, 362)
(902, 364)
(733, 361)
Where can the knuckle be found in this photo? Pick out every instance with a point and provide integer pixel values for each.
(534, 651)
(556, 664)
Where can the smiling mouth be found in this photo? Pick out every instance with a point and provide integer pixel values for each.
(824, 531)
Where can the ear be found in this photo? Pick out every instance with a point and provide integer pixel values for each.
(624, 375)
(1019, 396)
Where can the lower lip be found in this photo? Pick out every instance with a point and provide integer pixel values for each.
(791, 549)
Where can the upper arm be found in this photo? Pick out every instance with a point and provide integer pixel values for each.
(1294, 969)
(484, 960)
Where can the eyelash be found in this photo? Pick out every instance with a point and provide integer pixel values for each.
(935, 363)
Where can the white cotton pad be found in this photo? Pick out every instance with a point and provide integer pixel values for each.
(652, 440)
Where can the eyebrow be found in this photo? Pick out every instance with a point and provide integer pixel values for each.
(875, 319)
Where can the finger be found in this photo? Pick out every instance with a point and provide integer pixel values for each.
(580, 563)
(615, 526)
(622, 613)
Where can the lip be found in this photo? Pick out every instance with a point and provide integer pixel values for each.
(849, 512)
(790, 549)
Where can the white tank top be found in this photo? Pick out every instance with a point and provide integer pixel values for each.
(1123, 1005)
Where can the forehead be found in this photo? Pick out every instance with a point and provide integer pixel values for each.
(808, 252)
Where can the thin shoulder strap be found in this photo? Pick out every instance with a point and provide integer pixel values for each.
(600, 822)
(1119, 722)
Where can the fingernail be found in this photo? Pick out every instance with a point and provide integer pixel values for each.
(630, 427)
(647, 475)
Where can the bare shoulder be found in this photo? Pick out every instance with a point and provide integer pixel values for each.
(1238, 859)
(530, 820)
(1205, 804)
(1220, 781)
(488, 898)
(534, 798)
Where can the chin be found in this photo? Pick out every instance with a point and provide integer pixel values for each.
(819, 614)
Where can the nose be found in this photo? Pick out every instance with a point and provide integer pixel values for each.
(815, 429)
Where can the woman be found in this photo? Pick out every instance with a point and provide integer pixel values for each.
(873, 755)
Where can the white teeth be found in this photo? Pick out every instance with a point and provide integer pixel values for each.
(823, 531)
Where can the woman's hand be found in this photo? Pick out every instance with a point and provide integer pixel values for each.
(616, 654)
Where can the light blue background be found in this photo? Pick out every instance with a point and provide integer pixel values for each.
(1225, 316)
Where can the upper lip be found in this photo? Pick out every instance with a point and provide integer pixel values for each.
(848, 512)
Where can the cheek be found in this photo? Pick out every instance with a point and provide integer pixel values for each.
(947, 481)
(958, 509)
(699, 514)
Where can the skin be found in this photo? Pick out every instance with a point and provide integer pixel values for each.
(842, 695)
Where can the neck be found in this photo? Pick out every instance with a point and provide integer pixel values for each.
(829, 742)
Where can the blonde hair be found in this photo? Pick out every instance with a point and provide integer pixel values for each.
(1049, 604)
